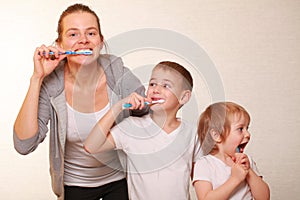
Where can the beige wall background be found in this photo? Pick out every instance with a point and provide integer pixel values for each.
(253, 44)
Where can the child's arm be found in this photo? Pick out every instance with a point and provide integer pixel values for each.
(204, 189)
(100, 139)
(259, 188)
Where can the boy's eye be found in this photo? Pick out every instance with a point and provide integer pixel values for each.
(152, 84)
(166, 86)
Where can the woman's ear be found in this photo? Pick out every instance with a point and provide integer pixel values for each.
(185, 97)
(59, 44)
(215, 135)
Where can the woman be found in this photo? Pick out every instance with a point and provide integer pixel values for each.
(73, 92)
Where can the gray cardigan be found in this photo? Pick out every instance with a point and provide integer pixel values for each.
(52, 107)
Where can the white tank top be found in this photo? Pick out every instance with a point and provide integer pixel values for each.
(81, 168)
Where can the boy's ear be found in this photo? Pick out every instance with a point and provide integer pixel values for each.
(215, 135)
(185, 97)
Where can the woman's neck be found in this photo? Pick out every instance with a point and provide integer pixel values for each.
(85, 87)
(83, 75)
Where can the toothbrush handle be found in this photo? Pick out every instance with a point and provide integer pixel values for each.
(70, 53)
(52, 53)
(128, 105)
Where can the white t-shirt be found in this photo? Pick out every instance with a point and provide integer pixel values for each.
(81, 168)
(215, 171)
(158, 164)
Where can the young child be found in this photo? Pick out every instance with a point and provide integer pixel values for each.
(225, 172)
(160, 147)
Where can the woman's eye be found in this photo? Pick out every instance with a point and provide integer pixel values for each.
(73, 34)
(91, 33)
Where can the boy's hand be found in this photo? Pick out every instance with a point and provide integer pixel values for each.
(137, 101)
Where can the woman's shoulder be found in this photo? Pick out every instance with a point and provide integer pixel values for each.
(107, 60)
(112, 65)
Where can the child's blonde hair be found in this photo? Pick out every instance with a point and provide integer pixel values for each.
(187, 77)
(218, 117)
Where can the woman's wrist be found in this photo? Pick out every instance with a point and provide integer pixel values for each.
(36, 80)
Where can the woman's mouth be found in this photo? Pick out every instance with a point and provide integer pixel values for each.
(84, 51)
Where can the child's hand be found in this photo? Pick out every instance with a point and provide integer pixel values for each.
(238, 171)
(242, 159)
(137, 101)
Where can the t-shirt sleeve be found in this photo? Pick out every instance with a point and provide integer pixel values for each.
(118, 132)
(253, 166)
(202, 171)
(197, 150)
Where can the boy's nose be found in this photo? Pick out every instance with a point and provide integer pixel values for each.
(157, 88)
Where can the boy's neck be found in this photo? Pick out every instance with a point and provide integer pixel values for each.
(167, 122)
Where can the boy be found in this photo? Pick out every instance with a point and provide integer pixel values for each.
(160, 147)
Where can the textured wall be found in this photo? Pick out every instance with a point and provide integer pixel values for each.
(254, 48)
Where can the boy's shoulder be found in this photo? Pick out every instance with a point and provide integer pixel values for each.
(134, 122)
(187, 126)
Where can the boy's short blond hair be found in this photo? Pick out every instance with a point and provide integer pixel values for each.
(187, 77)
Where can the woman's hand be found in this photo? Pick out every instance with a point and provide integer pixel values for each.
(44, 63)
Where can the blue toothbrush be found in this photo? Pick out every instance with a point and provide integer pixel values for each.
(86, 52)
(128, 105)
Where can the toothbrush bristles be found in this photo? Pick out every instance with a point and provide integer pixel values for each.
(158, 101)
(84, 52)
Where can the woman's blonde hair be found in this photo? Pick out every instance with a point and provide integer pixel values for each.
(74, 9)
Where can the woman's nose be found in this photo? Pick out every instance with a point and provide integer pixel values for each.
(83, 38)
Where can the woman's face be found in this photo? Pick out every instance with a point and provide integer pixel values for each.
(80, 32)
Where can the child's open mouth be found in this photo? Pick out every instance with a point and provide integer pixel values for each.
(241, 147)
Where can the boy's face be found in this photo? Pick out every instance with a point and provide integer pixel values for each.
(166, 85)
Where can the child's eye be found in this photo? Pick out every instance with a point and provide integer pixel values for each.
(152, 84)
(240, 129)
(166, 86)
